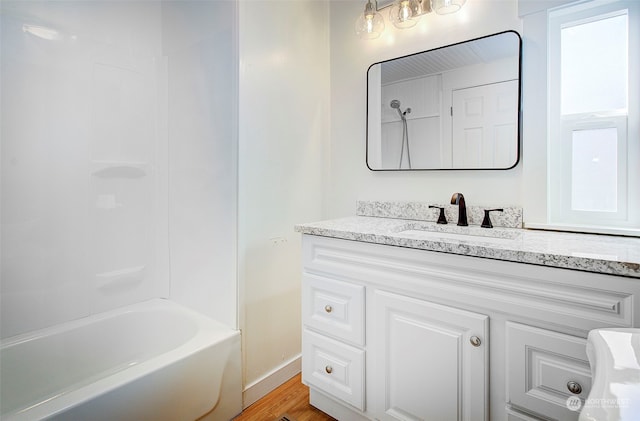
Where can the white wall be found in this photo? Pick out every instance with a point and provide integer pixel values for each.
(350, 180)
(284, 93)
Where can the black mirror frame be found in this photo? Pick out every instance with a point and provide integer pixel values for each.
(519, 131)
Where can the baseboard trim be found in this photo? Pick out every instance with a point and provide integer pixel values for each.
(259, 388)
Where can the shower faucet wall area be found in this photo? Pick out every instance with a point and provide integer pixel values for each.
(403, 130)
(109, 149)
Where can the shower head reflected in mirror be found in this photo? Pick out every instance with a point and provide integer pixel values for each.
(396, 104)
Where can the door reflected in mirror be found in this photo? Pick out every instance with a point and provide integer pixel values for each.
(455, 107)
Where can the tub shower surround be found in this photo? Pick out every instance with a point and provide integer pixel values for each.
(397, 223)
(99, 220)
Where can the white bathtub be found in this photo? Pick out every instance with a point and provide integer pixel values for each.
(150, 361)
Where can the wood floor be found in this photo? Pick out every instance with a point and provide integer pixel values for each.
(291, 398)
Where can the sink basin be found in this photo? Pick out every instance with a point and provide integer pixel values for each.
(472, 234)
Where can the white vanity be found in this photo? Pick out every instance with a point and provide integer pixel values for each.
(404, 325)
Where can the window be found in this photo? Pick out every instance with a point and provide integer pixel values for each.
(593, 140)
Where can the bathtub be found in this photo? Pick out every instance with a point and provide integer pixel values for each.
(154, 360)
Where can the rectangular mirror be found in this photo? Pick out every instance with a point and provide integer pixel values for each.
(451, 108)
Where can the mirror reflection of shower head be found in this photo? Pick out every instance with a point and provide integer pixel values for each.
(396, 104)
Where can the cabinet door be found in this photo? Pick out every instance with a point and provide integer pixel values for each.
(425, 366)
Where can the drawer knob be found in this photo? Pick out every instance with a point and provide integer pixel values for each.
(328, 308)
(475, 341)
(328, 369)
(574, 387)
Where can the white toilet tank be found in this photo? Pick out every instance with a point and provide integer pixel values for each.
(614, 356)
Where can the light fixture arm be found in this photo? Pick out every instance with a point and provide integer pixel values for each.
(369, 9)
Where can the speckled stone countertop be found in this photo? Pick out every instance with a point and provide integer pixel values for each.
(587, 252)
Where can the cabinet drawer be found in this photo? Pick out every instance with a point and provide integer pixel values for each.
(333, 367)
(333, 307)
(540, 365)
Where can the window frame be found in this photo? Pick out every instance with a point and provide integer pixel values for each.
(547, 205)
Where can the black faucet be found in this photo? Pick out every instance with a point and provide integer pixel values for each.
(442, 219)
(458, 199)
(486, 222)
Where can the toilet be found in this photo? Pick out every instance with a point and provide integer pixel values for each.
(614, 356)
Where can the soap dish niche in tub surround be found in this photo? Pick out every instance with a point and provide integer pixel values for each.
(119, 169)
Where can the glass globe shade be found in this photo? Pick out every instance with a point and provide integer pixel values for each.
(369, 24)
(404, 13)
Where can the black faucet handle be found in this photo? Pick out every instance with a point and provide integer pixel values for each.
(442, 219)
(486, 222)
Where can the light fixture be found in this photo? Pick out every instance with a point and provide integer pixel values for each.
(370, 23)
(404, 13)
(444, 7)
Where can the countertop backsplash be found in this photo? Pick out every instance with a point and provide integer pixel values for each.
(420, 211)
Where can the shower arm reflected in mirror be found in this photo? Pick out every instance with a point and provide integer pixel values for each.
(465, 107)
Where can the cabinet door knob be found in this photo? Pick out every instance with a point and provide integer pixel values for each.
(328, 369)
(574, 387)
(328, 308)
(475, 341)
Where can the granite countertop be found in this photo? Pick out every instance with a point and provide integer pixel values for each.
(587, 252)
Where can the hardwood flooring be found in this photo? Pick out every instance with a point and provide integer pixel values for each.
(291, 398)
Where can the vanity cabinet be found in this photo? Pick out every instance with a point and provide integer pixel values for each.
(392, 333)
